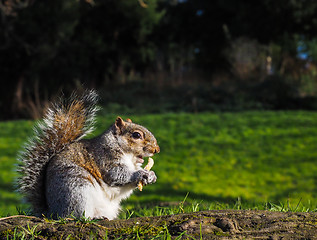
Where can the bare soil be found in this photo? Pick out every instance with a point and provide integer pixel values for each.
(223, 224)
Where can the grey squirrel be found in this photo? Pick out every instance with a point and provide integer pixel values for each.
(63, 175)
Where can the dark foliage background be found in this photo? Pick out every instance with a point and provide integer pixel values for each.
(159, 55)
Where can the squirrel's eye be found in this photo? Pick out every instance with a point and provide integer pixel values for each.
(136, 135)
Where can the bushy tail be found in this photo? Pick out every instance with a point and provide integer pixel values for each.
(65, 122)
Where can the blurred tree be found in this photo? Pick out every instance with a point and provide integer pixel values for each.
(111, 40)
(209, 26)
(32, 37)
(46, 46)
(191, 35)
(53, 45)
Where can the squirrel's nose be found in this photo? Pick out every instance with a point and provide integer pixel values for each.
(157, 150)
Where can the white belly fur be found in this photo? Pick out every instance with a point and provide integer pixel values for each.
(103, 200)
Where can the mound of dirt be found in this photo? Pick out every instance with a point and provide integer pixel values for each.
(223, 224)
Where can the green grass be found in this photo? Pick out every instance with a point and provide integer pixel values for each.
(258, 160)
(12, 136)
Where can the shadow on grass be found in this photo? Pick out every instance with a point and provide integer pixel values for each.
(165, 194)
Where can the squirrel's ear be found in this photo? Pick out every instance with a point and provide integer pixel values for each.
(129, 120)
(119, 123)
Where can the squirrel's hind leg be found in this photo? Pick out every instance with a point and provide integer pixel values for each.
(65, 190)
(72, 192)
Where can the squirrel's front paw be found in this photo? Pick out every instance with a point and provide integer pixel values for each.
(146, 177)
(152, 177)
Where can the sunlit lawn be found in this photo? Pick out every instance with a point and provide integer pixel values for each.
(254, 158)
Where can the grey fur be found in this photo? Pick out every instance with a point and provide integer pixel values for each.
(43, 146)
(56, 174)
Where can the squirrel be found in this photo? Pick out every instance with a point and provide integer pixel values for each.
(64, 175)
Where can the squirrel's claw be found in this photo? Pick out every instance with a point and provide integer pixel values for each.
(152, 177)
(146, 177)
